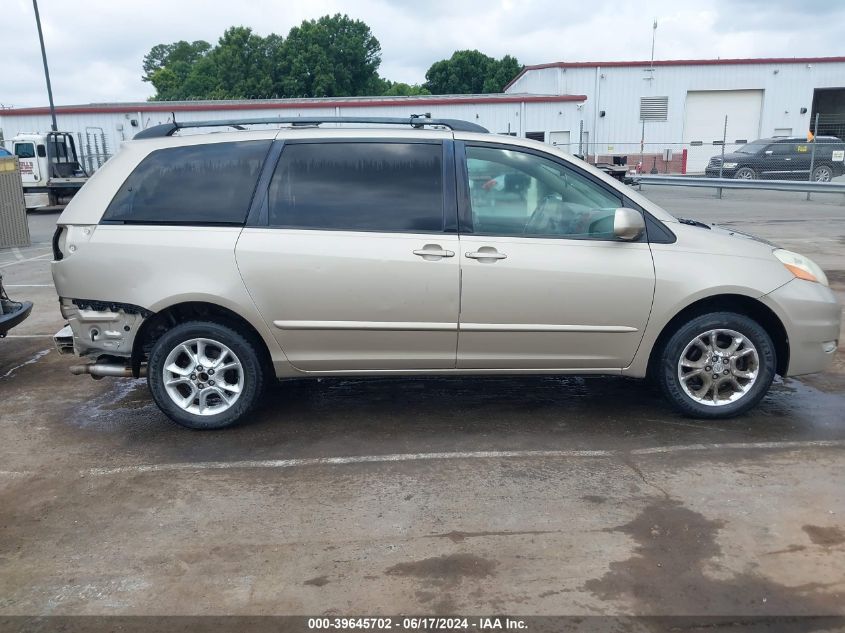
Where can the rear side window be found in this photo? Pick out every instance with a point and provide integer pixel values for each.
(359, 187)
(783, 148)
(202, 184)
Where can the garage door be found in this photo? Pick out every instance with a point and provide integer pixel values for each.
(704, 121)
(561, 141)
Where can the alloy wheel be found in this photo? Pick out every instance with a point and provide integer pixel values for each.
(203, 376)
(822, 174)
(718, 367)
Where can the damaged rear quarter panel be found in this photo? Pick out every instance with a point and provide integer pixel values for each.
(152, 267)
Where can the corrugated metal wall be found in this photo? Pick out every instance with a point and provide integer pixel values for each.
(616, 90)
(117, 127)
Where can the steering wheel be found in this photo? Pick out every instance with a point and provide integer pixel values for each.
(552, 215)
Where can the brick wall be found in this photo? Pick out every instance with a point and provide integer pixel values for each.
(673, 166)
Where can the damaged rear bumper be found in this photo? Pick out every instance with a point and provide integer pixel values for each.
(97, 328)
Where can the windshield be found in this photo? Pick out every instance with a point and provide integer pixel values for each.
(752, 148)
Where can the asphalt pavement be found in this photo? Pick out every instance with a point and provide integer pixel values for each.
(471, 495)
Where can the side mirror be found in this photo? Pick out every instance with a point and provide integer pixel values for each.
(628, 224)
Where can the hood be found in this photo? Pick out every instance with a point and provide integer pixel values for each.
(721, 240)
(732, 157)
(727, 230)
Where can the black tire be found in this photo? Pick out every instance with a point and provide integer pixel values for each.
(253, 370)
(666, 369)
(745, 173)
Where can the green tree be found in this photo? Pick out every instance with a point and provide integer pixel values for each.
(501, 73)
(180, 52)
(239, 67)
(399, 89)
(167, 66)
(330, 57)
(470, 72)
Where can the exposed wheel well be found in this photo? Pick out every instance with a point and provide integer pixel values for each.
(730, 303)
(152, 328)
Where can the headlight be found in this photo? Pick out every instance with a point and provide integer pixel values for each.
(729, 165)
(800, 266)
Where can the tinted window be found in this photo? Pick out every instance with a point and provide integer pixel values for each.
(782, 148)
(516, 193)
(193, 184)
(359, 187)
(752, 148)
(25, 150)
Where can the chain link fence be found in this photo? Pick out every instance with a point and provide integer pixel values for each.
(816, 157)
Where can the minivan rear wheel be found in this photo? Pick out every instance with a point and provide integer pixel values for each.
(717, 365)
(205, 375)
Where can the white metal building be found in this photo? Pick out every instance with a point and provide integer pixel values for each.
(638, 109)
(677, 103)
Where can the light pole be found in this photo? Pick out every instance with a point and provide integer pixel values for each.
(653, 36)
(651, 79)
(46, 70)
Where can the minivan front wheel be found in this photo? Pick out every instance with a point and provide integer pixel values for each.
(205, 375)
(717, 365)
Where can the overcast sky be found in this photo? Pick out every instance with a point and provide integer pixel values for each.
(95, 47)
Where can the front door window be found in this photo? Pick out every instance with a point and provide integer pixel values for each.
(25, 150)
(519, 194)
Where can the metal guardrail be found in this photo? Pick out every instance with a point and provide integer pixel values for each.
(730, 183)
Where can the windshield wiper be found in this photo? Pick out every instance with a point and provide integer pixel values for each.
(694, 223)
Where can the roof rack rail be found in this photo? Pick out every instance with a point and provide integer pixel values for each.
(167, 129)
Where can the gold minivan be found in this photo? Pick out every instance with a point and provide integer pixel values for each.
(211, 263)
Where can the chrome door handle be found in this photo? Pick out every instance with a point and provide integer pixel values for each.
(486, 255)
(433, 250)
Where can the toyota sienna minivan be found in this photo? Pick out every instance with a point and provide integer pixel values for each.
(213, 263)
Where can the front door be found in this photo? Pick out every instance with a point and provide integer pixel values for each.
(545, 284)
(781, 161)
(28, 162)
(356, 265)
